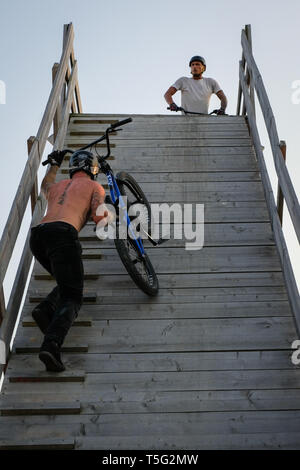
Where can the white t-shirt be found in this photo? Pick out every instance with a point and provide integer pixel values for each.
(195, 94)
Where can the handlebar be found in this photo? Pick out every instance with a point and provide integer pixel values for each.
(120, 123)
(108, 130)
(179, 108)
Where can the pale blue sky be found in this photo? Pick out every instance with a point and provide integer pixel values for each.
(129, 52)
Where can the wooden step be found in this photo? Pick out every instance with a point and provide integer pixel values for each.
(36, 297)
(45, 376)
(87, 276)
(78, 142)
(29, 322)
(143, 134)
(9, 408)
(38, 444)
(27, 348)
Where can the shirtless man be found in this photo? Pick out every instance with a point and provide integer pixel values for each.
(54, 243)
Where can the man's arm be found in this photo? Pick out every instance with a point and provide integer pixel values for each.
(49, 179)
(99, 212)
(220, 94)
(55, 158)
(169, 93)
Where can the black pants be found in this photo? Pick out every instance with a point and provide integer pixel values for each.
(56, 247)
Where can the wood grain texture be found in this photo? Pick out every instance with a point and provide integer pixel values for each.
(210, 356)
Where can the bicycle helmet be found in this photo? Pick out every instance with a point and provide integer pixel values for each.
(198, 58)
(82, 160)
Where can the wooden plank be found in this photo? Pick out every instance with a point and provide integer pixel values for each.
(87, 297)
(221, 334)
(206, 260)
(132, 295)
(157, 362)
(22, 347)
(213, 195)
(45, 376)
(150, 126)
(197, 401)
(197, 280)
(214, 235)
(156, 118)
(80, 141)
(140, 153)
(38, 444)
(10, 407)
(164, 402)
(34, 191)
(120, 383)
(29, 322)
(228, 211)
(225, 309)
(47, 276)
(204, 163)
(159, 135)
(200, 187)
(189, 177)
(229, 441)
(196, 424)
(196, 151)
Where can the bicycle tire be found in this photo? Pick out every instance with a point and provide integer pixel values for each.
(128, 187)
(139, 267)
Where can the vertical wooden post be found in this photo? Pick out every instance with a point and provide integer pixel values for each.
(57, 116)
(239, 100)
(280, 199)
(34, 191)
(2, 304)
(249, 36)
(248, 72)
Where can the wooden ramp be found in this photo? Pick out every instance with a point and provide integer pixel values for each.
(206, 364)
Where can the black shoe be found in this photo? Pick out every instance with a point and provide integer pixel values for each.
(50, 356)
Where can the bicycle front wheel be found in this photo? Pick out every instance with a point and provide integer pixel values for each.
(138, 266)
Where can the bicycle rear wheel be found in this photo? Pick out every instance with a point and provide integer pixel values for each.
(138, 266)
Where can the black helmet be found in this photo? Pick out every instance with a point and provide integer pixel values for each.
(198, 58)
(82, 160)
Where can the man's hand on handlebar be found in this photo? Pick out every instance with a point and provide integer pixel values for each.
(219, 112)
(56, 157)
(174, 107)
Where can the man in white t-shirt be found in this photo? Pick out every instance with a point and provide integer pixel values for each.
(196, 91)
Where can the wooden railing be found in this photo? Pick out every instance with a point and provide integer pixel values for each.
(250, 81)
(63, 99)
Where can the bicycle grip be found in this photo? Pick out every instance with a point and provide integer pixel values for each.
(120, 123)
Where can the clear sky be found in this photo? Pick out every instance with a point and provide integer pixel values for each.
(129, 52)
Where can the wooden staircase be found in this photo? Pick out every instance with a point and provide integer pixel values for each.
(204, 365)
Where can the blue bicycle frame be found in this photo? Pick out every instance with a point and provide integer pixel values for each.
(117, 196)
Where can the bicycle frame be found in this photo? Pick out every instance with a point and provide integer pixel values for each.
(113, 185)
(117, 196)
